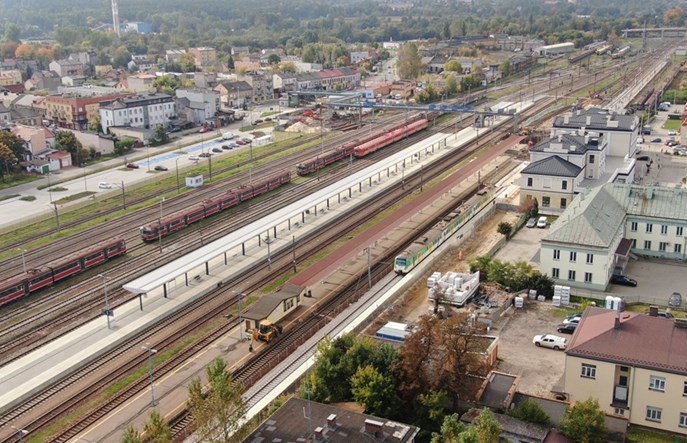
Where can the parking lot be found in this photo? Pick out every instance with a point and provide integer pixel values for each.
(542, 368)
(523, 246)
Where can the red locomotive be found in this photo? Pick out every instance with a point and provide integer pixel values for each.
(181, 219)
(35, 279)
(311, 165)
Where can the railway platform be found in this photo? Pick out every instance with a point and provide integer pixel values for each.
(28, 374)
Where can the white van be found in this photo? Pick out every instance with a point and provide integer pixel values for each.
(228, 136)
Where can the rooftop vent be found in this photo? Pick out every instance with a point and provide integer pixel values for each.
(331, 421)
(374, 427)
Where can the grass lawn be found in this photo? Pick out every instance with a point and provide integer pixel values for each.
(672, 125)
(638, 435)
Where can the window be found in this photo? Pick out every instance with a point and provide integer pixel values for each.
(555, 273)
(564, 203)
(556, 254)
(587, 277)
(647, 244)
(619, 411)
(662, 246)
(590, 259)
(571, 275)
(649, 228)
(546, 201)
(588, 371)
(678, 231)
(591, 159)
(683, 420)
(678, 248)
(684, 389)
(664, 229)
(657, 383)
(564, 184)
(633, 226)
(634, 243)
(529, 181)
(573, 256)
(653, 414)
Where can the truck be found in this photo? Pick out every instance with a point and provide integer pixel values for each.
(266, 331)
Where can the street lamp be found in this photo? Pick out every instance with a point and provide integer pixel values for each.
(177, 163)
(123, 193)
(107, 311)
(240, 294)
(57, 216)
(159, 224)
(21, 433)
(147, 143)
(151, 351)
(23, 258)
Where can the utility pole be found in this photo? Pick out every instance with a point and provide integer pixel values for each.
(151, 351)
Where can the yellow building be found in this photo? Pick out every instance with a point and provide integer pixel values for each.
(635, 365)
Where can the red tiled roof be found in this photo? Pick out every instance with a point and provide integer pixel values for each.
(639, 340)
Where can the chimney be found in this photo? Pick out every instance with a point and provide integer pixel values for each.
(653, 311)
(331, 422)
(374, 427)
(320, 433)
(616, 325)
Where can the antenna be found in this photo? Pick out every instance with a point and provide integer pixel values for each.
(115, 18)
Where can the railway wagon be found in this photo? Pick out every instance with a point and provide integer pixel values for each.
(53, 272)
(316, 163)
(392, 136)
(180, 219)
(442, 231)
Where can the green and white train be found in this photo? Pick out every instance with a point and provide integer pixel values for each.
(439, 233)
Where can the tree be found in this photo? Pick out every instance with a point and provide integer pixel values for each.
(156, 429)
(453, 66)
(8, 49)
(230, 63)
(505, 228)
(530, 411)
(24, 51)
(14, 143)
(288, 67)
(219, 414)
(66, 141)
(488, 429)
(121, 57)
(504, 68)
(530, 207)
(187, 63)
(451, 86)
(273, 59)
(12, 32)
(7, 159)
(451, 429)
(408, 64)
(160, 137)
(131, 435)
(585, 422)
(124, 145)
(375, 391)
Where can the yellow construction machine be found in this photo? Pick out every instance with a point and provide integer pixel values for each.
(266, 331)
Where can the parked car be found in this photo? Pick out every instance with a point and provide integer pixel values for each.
(246, 140)
(656, 140)
(531, 223)
(240, 142)
(173, 130)
(550, 341)
(671, 143)
(104, 185)
(218, 150)
(567, 329)
(623, 280)
(675, 300)
(227, 147)
(643, 158)
(161, 168)
(204, 154)
(542, 222)
(672, 133)
(573, 320)
(132, 166)
(193, 157)
(258, 121)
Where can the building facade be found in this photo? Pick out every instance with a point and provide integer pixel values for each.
(10, 77)
(203, 57)
(67, 67)
(206, 101)
(635, 365)
(139, 111)
(261, 83)
(74, 112)
(552, 182)
(234, 94)
(141, 83)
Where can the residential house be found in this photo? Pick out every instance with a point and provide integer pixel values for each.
(204, 102)
(234, 94)
(261, 82)
(620, 131)
(238, 50)
(67, 67)
(635, 365)
(34, 137)
(141, 111)
(204, 57)
(205, 79)
(584, 151)
(247, 64)
(284, 82)
(434, 64)
(330, 79)
(141, 83)
(18, 63)
(403, 89)
(174, 55)
(43, 81)
(359, 56)
(550, 181)
(5, 115)
(10, 77)
(266, 53)
(75, 112)
(329, 423)
(143, 62)
(470, 65)
(593, 237)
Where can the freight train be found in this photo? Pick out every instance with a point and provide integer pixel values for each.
(36, 279)
(439, 233)
(363, 146)
(180, 219)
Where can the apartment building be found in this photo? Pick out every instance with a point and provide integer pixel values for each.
(75, 112)
(141, 111)
(203, 57)
(634, 364)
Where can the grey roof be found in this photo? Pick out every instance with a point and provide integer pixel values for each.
(650, 201)
(266, 304)
(554, 166)
(3, 109)
(239, 85)
(573, 144)
(138, 100)
(593, 218)
(598, 120)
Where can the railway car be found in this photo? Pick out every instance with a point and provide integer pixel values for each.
(439, 233)
(180, 219)
(53, 272)
(390, 137)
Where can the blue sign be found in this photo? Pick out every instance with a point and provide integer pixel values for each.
(107, 312)
(442, 107)
(432, 107)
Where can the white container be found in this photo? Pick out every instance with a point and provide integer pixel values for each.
(532, 294)
(556, 300)
(541, 298)
(617, 303)
(609, 302)
(519, 302)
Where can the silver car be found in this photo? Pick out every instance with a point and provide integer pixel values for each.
(550, 341)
